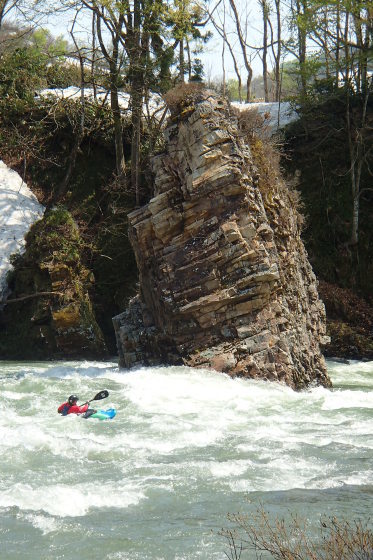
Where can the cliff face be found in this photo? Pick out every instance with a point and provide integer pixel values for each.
(224, 277)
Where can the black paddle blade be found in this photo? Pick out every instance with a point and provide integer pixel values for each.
(101, 395)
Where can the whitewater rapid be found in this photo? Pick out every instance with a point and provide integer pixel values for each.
(186, 448)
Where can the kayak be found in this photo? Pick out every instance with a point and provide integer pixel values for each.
(107, 414)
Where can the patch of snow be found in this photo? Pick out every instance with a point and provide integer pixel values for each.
(73, 92)
(19, 209)
(277, 115)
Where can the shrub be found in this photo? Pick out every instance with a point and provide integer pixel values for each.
(21, 74)
(337, 539)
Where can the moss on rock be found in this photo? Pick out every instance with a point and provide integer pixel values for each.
(62, 322)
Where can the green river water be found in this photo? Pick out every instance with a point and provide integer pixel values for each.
(186, 448)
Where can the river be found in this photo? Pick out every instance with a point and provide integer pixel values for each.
(186, 448)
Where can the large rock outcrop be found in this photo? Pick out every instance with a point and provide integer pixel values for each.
(224, 278)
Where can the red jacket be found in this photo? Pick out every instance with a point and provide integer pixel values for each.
(67, 408)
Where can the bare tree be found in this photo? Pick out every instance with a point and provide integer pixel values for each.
(265, 15)
(113, 21)
(9, 8)
(136, 48)
(360, 147)
(94, 54)
(79, 135)
(6, 6)
(277, 50)
(221, 29)
(344, 35)
(244, 49)
(223, 53)
(300, 8)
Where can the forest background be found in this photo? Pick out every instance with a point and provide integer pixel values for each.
(87, 157)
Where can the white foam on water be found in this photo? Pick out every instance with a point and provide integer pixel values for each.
(69, 500)
(355, 373)
(176, 428)
(346, 399)
(44, 523)
(10, 395)
(230, 468)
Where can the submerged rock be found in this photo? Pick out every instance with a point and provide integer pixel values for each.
(224, 278)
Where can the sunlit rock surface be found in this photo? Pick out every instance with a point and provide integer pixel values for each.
(224, 278)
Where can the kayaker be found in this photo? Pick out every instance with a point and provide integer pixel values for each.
(71, 407)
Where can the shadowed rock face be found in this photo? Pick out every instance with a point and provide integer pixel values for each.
(224, 278)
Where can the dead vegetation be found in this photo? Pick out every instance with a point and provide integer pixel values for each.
(267, 151)
(183, 95)
(280, 540)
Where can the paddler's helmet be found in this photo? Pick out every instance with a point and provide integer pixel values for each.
(73, 399)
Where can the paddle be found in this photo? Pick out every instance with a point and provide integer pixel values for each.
(98, 397)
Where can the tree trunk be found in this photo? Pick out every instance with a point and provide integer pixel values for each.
(181, 61)
(301, 9)
(325, 46)
(223, 54)
(79, 135)
(248, 86)
(265, 48)
(338, 44)
(239, 87)
(347, 50)
(355, 221)
(93, 61)
(223, 35)
(278, 56)
(118, 132)
(2, 8)
(137, 80)
(189, 60)
(3, 11)
(114, 69)
(136, 96)
(355, 138)
(243, 50)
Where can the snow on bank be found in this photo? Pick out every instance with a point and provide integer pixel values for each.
(277, 115)
(155, 103)
(19, 209)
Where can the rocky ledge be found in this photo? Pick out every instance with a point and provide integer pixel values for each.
(225, 282)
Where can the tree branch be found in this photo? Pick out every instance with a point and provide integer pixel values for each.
(30, 296)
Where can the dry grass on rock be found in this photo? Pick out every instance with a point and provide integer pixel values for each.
(183, 95)
(266, 151)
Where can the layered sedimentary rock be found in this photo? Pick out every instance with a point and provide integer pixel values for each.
(224, 278)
